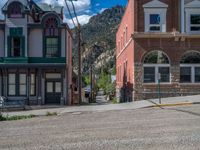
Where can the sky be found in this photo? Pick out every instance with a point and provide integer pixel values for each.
(85, 8)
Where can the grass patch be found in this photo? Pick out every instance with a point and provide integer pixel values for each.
(51, 114)
(114, 101)
(11, 118)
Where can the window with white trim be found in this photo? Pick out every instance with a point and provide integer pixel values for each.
(192, 16)
(154, 24)
(17, 84)
(33, 85)
(156, 63)
(190, 68)
(195, 22)
(155, 13)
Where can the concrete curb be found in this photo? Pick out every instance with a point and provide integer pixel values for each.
(176, 104)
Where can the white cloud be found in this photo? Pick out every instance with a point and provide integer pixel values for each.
(2, 2)
(80, 5)
(97, 4)
(83, 19)
(102, 10)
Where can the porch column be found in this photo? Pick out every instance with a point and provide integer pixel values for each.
(28, 86)
(64, 87)
(39, 83)
(1, 82)
(5, 77)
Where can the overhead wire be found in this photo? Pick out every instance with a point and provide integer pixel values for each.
(70, 14)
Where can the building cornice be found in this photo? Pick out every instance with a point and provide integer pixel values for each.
(176, 35)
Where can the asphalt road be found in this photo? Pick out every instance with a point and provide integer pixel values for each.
(175, 128)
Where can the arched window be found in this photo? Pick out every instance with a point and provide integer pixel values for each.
(51, 33)
(15, 10)
(190, 68)
(156, 67)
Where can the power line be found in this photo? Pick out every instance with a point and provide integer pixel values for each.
(79, 50)
(75, 12)
(70, 13)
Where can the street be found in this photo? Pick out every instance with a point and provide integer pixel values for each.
(172, 128)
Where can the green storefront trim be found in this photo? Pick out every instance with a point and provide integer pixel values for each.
(47, 60)
(32, 60)
(15, 60)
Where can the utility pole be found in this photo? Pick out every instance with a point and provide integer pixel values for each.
(79, 66)
(79, 48)
(91, 83)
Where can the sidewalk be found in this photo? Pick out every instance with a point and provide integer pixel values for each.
(172, 101)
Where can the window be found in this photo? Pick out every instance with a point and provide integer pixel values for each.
(52, 47)
(33, 83)
(156, 64)
(154, 22)
(12, 84)
(51, 38)
(126, 34)
(149, 74)
(164, 74)
(121, 43)
(185, 74)
(155, 16)
(16, 42)
(16, 47)
(195, 22)
(15, 10)
(190, 68)
(197, 74)
(16, 84)
(124, 38)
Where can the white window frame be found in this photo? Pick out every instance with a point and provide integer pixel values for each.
(160, 11)
(156, 66)
(192, 66)
(189, 12)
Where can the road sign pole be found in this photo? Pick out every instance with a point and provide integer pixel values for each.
(159, 93)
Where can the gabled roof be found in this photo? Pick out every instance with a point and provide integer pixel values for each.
(25, 4)
(155, 4)
(193, 4)
(46, 8)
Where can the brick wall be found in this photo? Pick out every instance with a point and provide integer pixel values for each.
(175, 51)
(173, 18)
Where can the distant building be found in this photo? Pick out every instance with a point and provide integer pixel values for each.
(35, 53)
(158, 41)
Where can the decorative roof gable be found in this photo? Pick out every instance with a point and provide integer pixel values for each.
(155, 4)
(25, 4)
(193, 4)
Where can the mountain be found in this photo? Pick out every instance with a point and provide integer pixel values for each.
(99, 38)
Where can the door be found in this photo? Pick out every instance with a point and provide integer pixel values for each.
(53, 92)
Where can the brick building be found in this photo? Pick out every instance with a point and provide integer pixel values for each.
(35, 53)
(158, 41)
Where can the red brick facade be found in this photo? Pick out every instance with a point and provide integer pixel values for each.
(138, 43)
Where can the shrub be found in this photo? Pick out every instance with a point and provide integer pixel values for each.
(51, 114)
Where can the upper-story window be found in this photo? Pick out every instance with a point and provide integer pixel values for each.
(154, 20)
(15, 10)
(16, 42)
(195, 22)
(155, 16)
(51, 32)
(192, 11)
